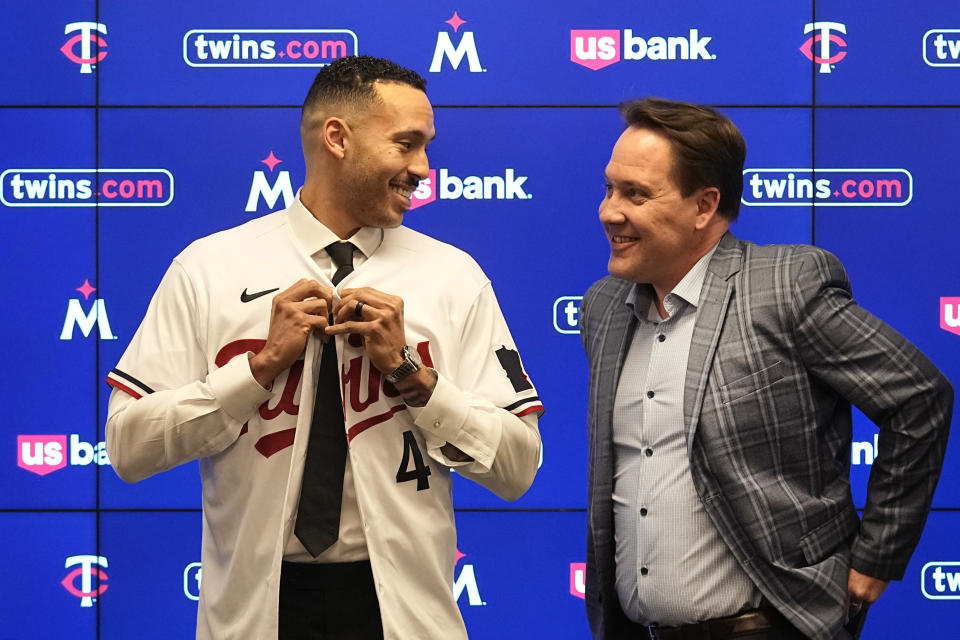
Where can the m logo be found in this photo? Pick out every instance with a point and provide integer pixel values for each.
(466, 48)
(824, 37)
(950, 315)
(77, 316)
(467, 581)
(271, 193)
(86, 60)
(86, 572)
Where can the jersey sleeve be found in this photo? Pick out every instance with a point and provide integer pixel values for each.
(166, 408)
(488, 408)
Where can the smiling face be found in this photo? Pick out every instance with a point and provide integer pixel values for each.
(656, 233)
(385, 156)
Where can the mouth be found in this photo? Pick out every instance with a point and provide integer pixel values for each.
(404, 189)
(622, 240)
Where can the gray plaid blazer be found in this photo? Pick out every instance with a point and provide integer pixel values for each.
(779, 352)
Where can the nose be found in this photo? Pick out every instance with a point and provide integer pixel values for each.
(419, 165)
(610, 212)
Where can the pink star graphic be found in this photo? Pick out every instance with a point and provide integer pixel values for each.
(456, 22)
(271, 161)
(86, 289)
(460, 554)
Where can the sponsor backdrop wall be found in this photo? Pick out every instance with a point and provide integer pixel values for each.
(129, 130)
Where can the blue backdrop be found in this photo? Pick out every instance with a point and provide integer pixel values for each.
(129, 130)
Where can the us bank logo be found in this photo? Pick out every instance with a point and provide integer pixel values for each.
(941, 47)
(599, 48)
(825, 47)
(454, 54)
(950, 315)
(578, 583)
(940, 580)
(827, 187)
(92, 579)
(267, 47)
(44, 454)
(86, 48)
(440, 184)
(86, 187)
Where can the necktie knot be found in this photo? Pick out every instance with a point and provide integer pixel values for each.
(342, 255)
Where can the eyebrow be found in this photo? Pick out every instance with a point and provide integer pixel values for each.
(414, 133)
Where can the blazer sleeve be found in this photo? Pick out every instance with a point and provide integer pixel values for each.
(897, 387)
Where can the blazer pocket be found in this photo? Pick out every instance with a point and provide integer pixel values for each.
(752, 383)
(823, 540)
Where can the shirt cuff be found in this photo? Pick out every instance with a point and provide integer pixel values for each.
(445, 419)
(235, 388)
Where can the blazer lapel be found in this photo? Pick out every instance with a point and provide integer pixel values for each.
(616, 329)
(711, 313)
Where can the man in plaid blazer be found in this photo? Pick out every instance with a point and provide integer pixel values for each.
(719, 496)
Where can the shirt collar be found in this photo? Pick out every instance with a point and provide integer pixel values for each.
(640, 297)
(314, 236)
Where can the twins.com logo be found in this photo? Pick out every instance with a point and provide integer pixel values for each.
(86, 187)
(827, 187)
(267, 47)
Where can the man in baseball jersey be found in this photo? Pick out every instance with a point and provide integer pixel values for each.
(423, 373)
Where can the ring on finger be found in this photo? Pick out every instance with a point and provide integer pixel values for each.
(358, 310)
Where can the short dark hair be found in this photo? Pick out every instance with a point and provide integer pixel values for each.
(350, 82)
(708, 149)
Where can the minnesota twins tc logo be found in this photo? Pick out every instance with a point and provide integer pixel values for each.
(86, 38)
(823, 39)
(92, 579)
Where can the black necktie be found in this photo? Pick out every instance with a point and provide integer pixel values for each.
(318, 512)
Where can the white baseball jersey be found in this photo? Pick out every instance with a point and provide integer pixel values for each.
(184, 391)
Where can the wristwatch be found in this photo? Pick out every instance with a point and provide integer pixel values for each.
(411, 364)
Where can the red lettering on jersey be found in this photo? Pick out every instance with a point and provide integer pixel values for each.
(423, 349)
(233, 349)
(277, 441)
(286, 404)
(351, 380)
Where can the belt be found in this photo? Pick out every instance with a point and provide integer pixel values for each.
(719, 628)
(320, 575)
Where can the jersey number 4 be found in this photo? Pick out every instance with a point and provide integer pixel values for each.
(420, 471)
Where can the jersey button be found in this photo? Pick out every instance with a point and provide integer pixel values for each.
(650, 394)
(644, 571)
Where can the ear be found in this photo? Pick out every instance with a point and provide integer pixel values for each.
(708, 199)
(334, 133)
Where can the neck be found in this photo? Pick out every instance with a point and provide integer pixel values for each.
(321, 203)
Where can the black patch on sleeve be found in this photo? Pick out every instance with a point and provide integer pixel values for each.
(510, 361)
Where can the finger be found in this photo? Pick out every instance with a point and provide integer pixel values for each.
(345, 328)
(314, 307)
(302, 289)
(370, 295)
(346, 311)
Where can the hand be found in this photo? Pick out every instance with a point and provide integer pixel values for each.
(863, 591)
(380, 323)
(294, 313)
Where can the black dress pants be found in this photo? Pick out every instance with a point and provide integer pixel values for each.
(329, 602)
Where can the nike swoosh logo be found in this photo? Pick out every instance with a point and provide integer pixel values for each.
(247, 297)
